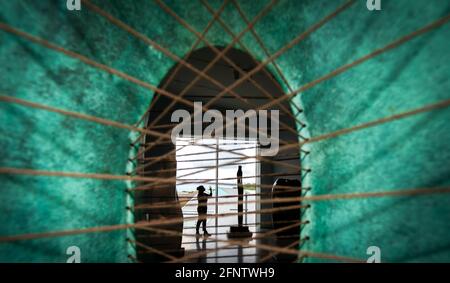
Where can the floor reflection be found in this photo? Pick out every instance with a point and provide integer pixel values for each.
(201, 248)
(220, 251)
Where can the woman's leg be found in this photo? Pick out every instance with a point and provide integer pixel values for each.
(204, 224)
(197, 227)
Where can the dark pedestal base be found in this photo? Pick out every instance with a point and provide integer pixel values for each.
(239, 232)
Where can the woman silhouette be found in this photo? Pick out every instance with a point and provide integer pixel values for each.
(202, 208)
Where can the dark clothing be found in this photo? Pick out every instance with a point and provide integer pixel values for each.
(202, 199)
(202, 209)
(201, 220)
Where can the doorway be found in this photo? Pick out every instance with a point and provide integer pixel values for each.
(176, 163)
(213, 163)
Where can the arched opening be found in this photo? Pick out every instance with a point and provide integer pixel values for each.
(162, 159)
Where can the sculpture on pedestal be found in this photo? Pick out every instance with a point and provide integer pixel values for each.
(240, 188)
(240, 231)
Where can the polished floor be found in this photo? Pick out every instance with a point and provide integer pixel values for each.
(215, 249)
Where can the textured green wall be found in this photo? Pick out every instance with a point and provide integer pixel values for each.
(405, 154)
(411, 153)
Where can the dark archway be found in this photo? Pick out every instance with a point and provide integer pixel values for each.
(158, 159)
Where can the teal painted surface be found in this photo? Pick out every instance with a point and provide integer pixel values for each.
(411, 153)
(405, 154)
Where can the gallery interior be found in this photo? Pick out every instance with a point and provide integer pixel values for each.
(356, 99)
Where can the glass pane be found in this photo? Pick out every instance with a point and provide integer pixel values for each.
(196, 165)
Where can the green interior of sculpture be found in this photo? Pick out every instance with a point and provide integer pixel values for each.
(409, 153)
